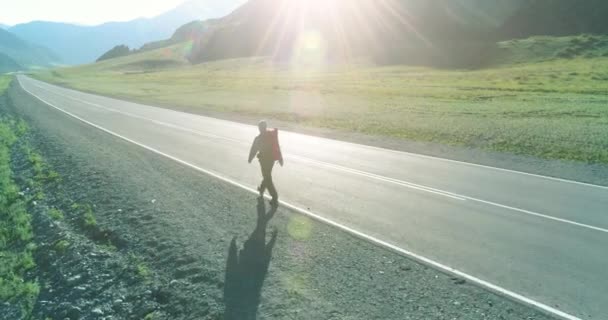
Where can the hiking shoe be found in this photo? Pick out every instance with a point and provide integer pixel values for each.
(274, 202)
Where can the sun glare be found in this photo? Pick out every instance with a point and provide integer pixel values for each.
(318, 30)
(311, 40)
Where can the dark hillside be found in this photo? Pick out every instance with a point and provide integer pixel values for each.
(438, 32)
(78, 44)
(557, 18)
(192, 31)
(24, 53)
(118, 51)
(7, 64)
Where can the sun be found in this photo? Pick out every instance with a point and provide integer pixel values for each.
(330, 30)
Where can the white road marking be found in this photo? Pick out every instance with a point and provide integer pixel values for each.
(346, 169)
(381, 243)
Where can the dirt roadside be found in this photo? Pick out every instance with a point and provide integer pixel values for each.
(181, 245)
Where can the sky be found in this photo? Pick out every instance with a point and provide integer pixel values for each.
(87, 12)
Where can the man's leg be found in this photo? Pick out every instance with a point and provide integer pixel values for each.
(268, 183)
(262, 187)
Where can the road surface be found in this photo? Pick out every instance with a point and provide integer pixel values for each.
(540, 240)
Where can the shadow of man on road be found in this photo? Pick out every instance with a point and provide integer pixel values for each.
(246, 269)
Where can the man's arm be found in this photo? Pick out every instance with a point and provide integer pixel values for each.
(281, 157)
(254, 150)
(278, 152)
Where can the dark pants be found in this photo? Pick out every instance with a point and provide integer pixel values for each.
(267, 182)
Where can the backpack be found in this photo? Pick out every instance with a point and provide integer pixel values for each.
(276, 148)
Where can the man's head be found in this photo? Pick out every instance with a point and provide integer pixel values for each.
(262, 125)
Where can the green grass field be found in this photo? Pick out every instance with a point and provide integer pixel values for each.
(4, 82)
(555, 107)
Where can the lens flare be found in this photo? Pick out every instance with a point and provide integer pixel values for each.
(311, 40)
(310, 49)
(299, 228)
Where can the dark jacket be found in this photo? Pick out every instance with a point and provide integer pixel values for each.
(263, 147)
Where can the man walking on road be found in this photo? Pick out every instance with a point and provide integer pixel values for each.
(266, 147)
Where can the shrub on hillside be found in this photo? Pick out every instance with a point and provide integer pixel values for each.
(118, 51)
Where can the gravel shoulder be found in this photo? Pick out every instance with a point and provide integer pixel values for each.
(214, 252)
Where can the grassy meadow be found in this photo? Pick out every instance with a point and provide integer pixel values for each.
(548, 97)
(4, 82)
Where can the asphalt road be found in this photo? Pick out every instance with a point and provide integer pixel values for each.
(534, 238)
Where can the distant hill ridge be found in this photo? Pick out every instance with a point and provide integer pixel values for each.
(192, 31)
(19, 54)
(557, 18)
(84, 44)
(442, 32)
(7, 64)
(436, 32)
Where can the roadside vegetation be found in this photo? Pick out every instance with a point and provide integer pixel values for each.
(552, 107)
(49, 241)
(16, 233)
(4, 82)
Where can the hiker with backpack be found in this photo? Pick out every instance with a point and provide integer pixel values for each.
(266, 148)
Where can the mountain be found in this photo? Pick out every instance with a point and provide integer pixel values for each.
(7, 64)
(3, 26)
(83, 44)
(445, 32)
(557, 18)
(487, 13)
(23, 53)
(192, 31)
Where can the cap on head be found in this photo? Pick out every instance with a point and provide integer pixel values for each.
(262, 125)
